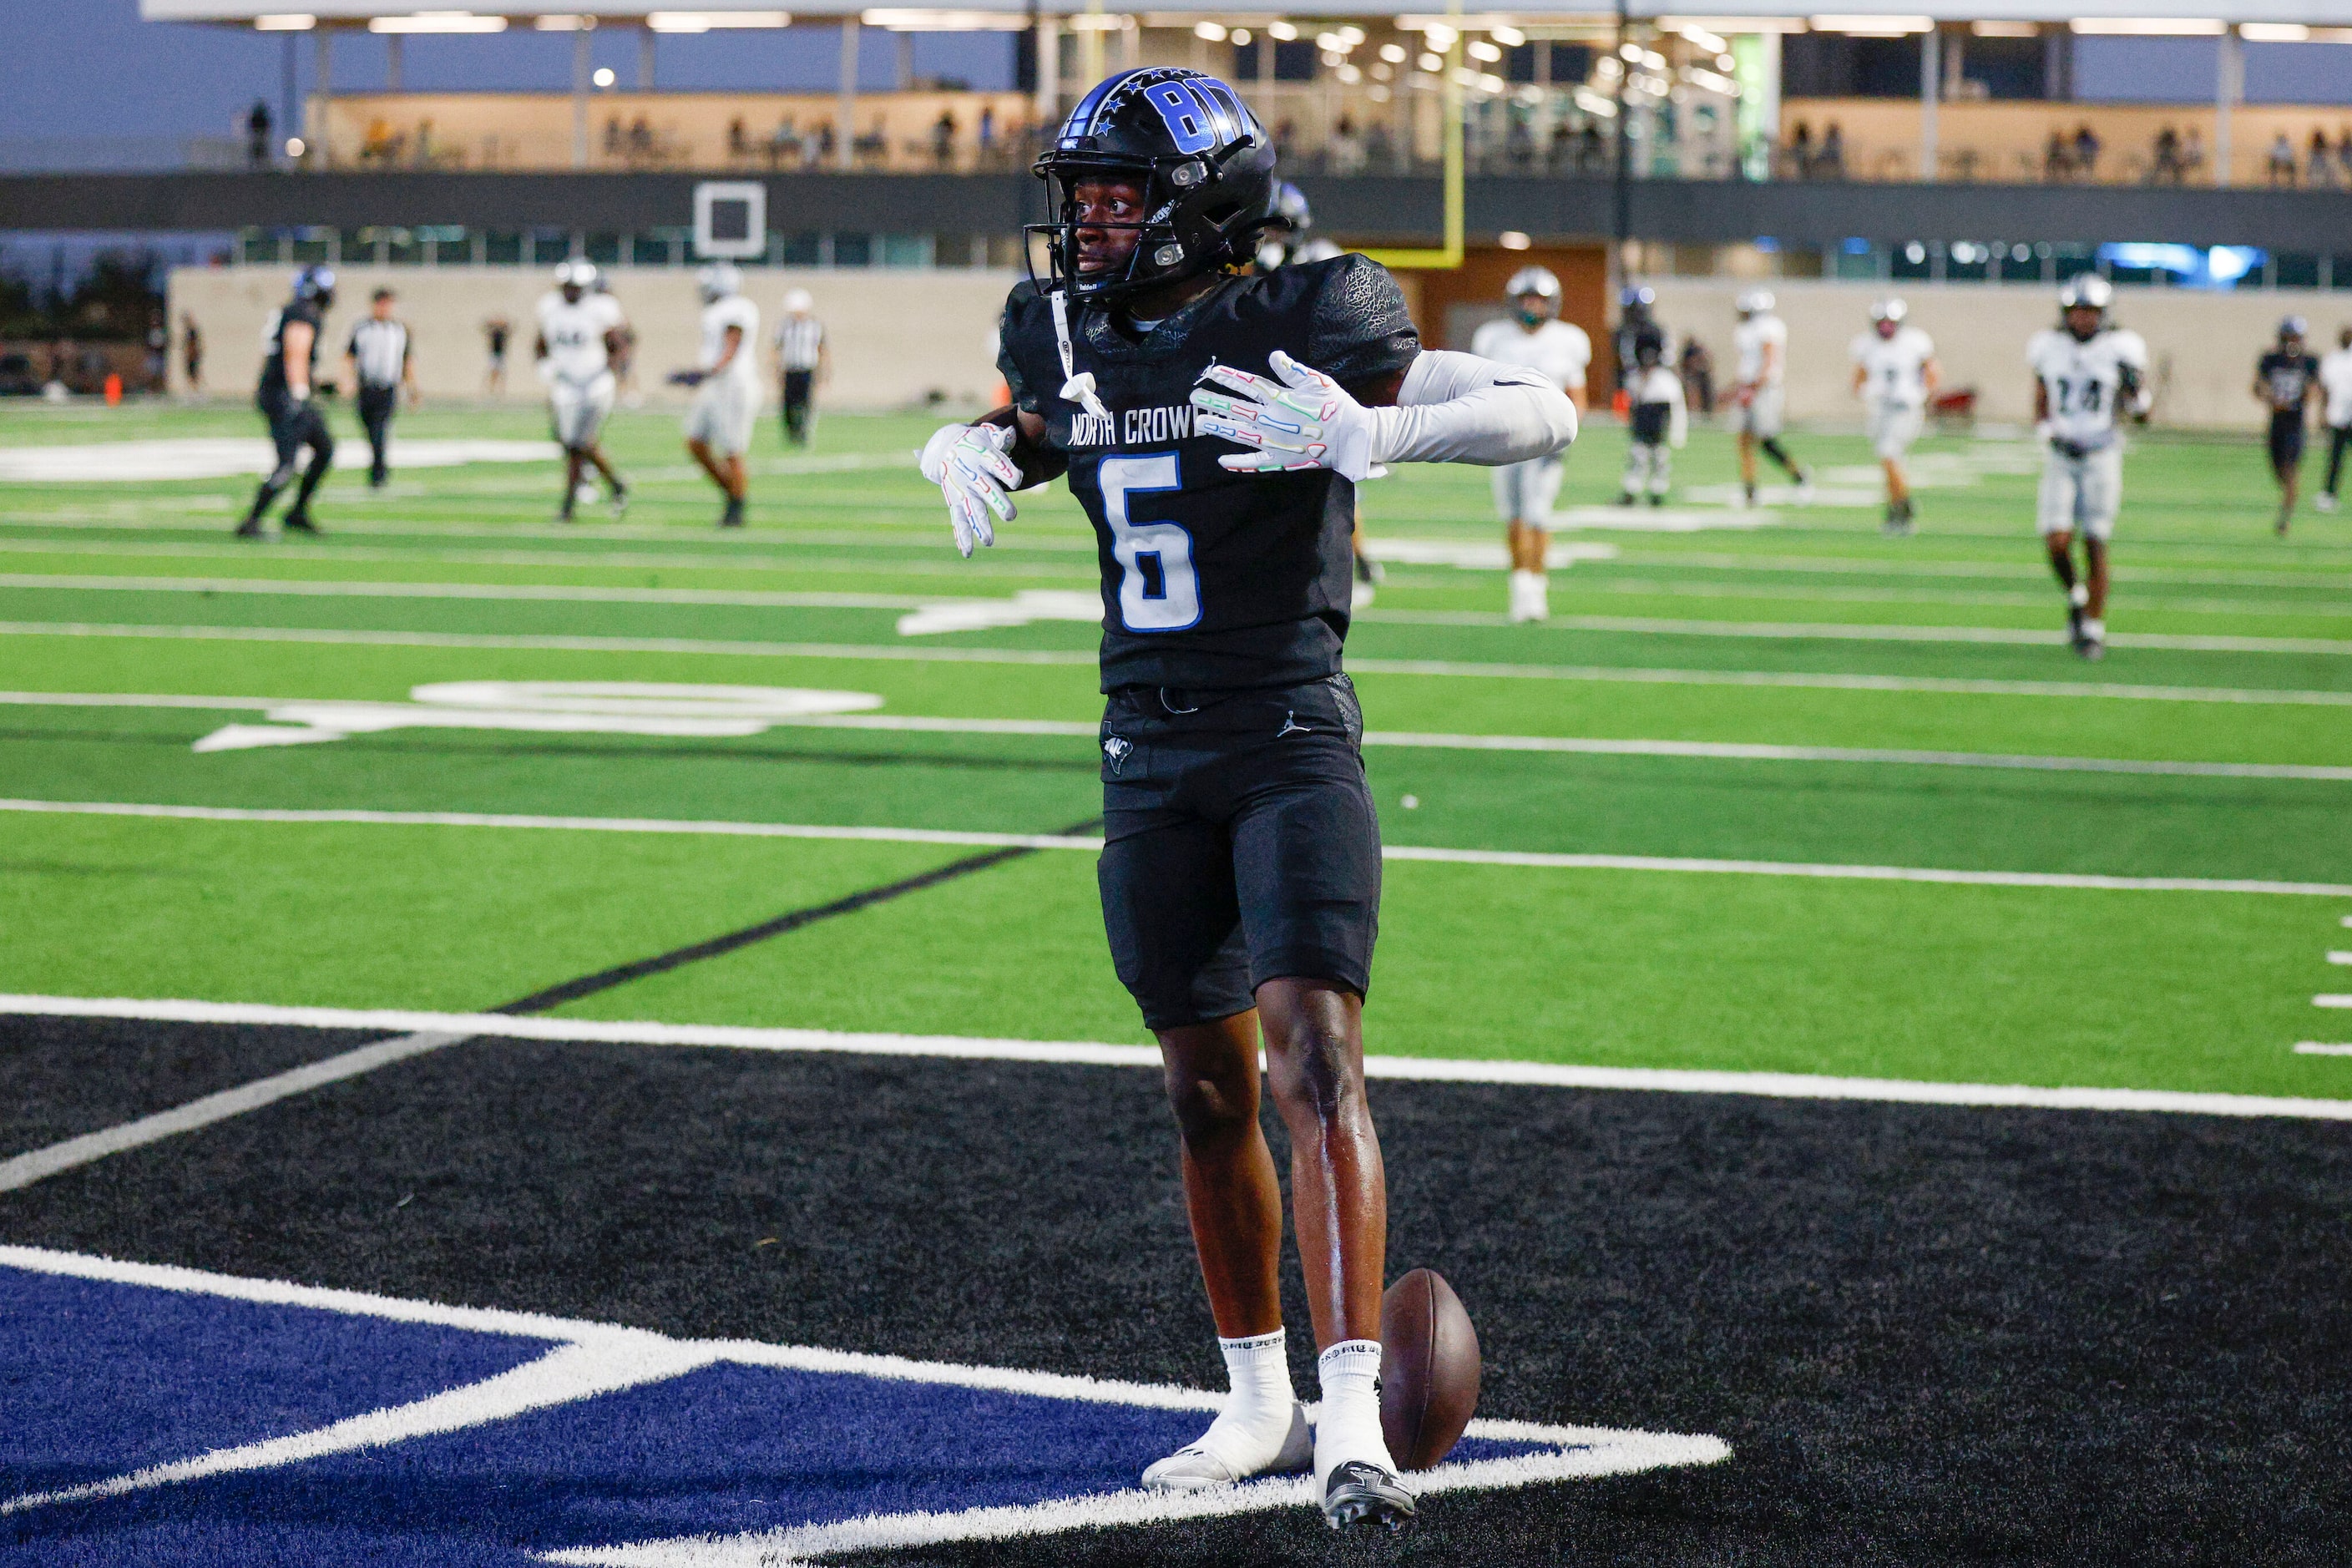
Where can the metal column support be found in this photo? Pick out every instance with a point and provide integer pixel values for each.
(580, 66)
(2229, 87)
(392, 61)
(1931, 94)
(645, 37)
(845, 137)
(322, 93)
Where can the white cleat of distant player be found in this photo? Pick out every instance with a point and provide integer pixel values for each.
(1233, 1450)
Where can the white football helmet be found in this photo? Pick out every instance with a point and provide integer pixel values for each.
(797, 302)
(718, 280)
(1535, 281)
(1889, 309)
(2086, 289)
(1756, 301)
(577, 273)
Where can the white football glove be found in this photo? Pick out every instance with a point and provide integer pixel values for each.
(968, 462)
(1306, 420)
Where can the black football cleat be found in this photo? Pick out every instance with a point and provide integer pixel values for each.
(1369, 573)
(733, 516)
(250, 528)
(2074, 627)
(1359, 1494)
(298, 522)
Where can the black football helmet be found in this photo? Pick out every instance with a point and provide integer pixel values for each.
(1205, 164)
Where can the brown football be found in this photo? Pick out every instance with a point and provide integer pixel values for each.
(1429, 1369)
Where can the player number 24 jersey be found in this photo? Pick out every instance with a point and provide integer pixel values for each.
(2083, 382)
(1211, 579)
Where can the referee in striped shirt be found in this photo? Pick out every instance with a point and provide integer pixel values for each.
(803, 360)
(381, 369)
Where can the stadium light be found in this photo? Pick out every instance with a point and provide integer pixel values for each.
(604, 77)
(292, 22)
(1512, 240)
(1509, 37)
(2005, 29)
(1874, 26)
(897, 21)
(437, 22)
(706, 21)
(563, 24)
(1733, 24)
(1282, 32)
(2150, 27)
(1213, 32)
(1706, 38)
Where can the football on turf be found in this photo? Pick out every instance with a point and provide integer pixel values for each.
(1429, 1369)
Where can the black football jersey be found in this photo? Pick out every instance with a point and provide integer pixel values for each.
(1211, 579)
(273, 345)
(2287, 377)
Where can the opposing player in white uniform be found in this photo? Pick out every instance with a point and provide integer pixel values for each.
(726, 379)
(2336, 385)
(1759, 347)
(1894, 373)
(579, 329)
(1559, 351)
(2085, 373)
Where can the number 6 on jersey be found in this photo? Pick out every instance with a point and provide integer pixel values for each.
(1158, 591)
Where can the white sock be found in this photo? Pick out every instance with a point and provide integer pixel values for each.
(1348, 1426)
(2097, 630)
(1538, 595)
(1250, 1430)
(2078, 595)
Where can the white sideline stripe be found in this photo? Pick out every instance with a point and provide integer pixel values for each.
(1423, 1069)
(1739, 751)
(926, 654)
(1525, 857)
(2315, 1049)
(593, 1358)
(2339, 956)
(2325, 1000)
(1598, 1454)
(1851, 631)
(339, 589)
(1058, 841)
(24, 1170)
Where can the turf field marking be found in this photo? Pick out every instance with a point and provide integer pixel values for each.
(560, 593)
(2331, 1001)
(1850, 631)
(332, 715)
(1519, 857)
(1067, 1053)
(226, 456)
(2315, 1049)
(24, 1170)
(2339, 956)
(933, 654)
(590, 1359)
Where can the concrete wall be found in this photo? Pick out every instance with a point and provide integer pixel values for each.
(899, 335)
(2201, 346)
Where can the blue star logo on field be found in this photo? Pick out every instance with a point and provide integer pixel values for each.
(185, 1417)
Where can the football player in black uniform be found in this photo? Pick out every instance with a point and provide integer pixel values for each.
(1213, 424)
(2284, 379)
(291, 356)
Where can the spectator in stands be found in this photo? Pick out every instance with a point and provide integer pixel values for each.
(192, 351)
(2281, 161)
(2166, 168)
(2057, 159)
(256, 135)
(1831, 161)
(985, 135)
(2319, 164)
(641, 138)
(943, 138)
(1800, 151)
(2193, 155)
(1519, 145)
(1591, 152)
(2087, 151)
(614, 144)
(2343, 154)
(1346, 150)
(825, 144)
(738, 140)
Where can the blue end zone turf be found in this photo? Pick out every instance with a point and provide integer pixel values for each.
(104, 1377)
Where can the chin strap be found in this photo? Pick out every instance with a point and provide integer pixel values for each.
(1076, 387)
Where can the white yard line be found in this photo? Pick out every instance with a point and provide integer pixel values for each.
(934, 655)
(1426, 1070)
(26, 1168)
(1730, 750)
(1515, 858)
(1848, 631)
(2331, 1001)
(552, 591)
(2317, 1048)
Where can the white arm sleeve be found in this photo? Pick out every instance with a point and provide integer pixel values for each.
(1459, 408)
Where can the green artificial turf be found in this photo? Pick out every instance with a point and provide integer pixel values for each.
(1718, 634)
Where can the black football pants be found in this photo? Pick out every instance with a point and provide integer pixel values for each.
(377, 405)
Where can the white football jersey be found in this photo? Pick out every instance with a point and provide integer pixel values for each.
(2083, 381)
(2335, 375)
(1748, 341)
(1894, 369)
(735, 311)
(575, 333)
(1557, 351)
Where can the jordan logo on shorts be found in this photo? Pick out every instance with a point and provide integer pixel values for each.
(1115, 751)
(1291, 726)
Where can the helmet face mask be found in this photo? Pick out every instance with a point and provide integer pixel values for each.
(575, 278)
(316, 284)
(1888, 316)
(1178, 150)
(2086, 292)
(1535, 292)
